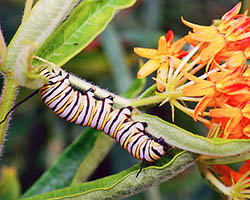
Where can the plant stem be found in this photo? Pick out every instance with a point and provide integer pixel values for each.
(85, 85)
(146, 101)
(7, 100)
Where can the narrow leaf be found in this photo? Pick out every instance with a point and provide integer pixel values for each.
(44, 18)
(124, 183)
(86, 21)
(101, 148)
(61, 173)
(225, 160)
(183, 139)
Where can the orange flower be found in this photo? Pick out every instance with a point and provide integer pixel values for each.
(231, 34)
(226, 95)
(210, 90)
(234, 58)
(228, 117)
(223, 92)
(159, 58)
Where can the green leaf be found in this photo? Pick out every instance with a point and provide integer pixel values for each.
(44, 18)
(61, 173)
(226, 160)
(124, 183)
(183, 139)
(86, 21)
(101, 148)
(9, 184)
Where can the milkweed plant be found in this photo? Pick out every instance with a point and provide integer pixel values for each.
(204, 74)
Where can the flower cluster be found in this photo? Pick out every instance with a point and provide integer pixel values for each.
(219, 54)
(222, 51)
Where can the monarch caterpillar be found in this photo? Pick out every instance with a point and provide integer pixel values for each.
(85, 110)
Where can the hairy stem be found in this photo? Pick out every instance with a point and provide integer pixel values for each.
(82, 84)
(146, 101)
(7, 100)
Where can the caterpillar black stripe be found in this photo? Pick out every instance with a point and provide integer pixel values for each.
(85, 110)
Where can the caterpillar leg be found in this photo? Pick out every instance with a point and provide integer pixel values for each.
(142, 163)
(92, 90)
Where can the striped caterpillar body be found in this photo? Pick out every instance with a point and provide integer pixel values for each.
(85, 110)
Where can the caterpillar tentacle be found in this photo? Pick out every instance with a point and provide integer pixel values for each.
(85, 110)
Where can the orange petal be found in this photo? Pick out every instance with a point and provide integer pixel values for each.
(232, 13)
(207, 33)
(246, 111)
(200, 89)
(201, 106)
(146, 52)
(223, 112)
(148, 68)
(189, 40)
(233, 113)
(212, 49)
(231, 124)
(162, 74)
(162, 45)
(247, 53)
(237, 59)
(178, 45)
(191, 25)
(246, 131)
(217, 76)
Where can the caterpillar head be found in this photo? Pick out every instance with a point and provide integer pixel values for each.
(54, 74)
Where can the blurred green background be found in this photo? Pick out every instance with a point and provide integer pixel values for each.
(36, 136)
